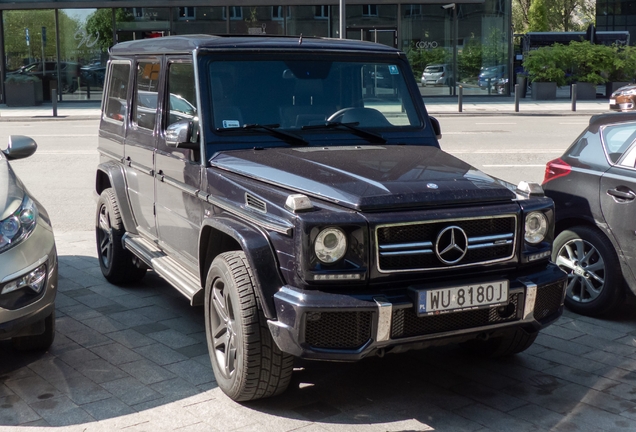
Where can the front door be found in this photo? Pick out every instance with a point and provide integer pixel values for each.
(141, 142)
(179, 211)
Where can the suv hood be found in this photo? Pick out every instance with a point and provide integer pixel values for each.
(369, 177)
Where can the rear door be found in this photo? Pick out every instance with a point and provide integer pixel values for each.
(179, 211)
(141, 141)
(618, 187)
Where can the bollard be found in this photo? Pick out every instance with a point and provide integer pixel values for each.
(573, 97)
(460, 98)
(516, 97)
(54, 101)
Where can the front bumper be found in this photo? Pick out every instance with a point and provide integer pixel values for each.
(39, 248)
(328, 326)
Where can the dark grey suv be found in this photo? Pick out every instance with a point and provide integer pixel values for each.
(310, 208)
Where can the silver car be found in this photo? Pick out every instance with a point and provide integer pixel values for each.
(435, 74)
(28, 258)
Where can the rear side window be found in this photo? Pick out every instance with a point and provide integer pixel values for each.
(182, 92)
(617, 139)
(116, 105)
(146, 94)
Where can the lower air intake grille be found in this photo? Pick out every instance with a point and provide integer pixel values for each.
(549, 299)
(338, 330)
(406, 323)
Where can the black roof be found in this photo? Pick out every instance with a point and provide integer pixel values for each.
(187, 43)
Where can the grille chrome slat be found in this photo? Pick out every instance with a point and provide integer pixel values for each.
(411, 246)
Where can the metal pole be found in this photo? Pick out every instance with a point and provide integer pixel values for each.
(573, 97)
(460, 99)
(54, 101)
(343, 19)
(516, 97)
(454, 47)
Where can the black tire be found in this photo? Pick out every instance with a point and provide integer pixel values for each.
(116, 262)
(39, 342)
(595, 282)
(247, 363)
(514, 342)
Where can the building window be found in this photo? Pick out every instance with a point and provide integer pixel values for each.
(236, 12)
(138, 12)
(321, 12)
(412, 10)
(187, 13)
(370, 10)
(278, 12)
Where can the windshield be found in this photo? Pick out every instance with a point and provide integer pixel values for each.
(292, 94)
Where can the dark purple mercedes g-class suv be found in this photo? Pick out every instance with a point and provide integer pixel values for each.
(296, 188)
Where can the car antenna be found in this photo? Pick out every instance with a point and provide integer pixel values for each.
(300, 40)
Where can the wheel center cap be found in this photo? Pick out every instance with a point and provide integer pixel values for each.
(578, 270)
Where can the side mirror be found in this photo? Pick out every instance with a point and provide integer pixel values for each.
(436, 127)
(182, 135)
(19, 147)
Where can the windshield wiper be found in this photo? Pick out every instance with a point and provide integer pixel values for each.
(368, 135)
(272, 129)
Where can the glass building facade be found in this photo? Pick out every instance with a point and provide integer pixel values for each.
(617, 15)
(468, 42)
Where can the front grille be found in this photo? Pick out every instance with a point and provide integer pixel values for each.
(412, 246)
(338, 330)
(549, 299)
(406, 323)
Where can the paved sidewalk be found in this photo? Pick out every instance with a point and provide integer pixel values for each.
(135, 359)
(495, 105)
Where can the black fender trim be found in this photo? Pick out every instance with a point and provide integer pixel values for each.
(259, 253)
(117, 179)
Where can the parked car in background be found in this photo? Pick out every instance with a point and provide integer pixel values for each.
(491, 76)
(593, 185)
(92, 74)
(623, 99)
(28, 258)
(69, 72)
(436, 74)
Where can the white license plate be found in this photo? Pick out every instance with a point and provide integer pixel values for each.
(457, 298)
(612, 102)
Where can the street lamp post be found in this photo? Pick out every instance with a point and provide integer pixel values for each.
(343, 19)
(453, 6)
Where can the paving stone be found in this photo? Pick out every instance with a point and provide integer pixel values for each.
(191, 371)
(64, 285)
(493, 419)
(219, 414)
(147, 372)
(110, 291)
(130, 391)
(594, 330)
(562, 332)
(80, 277)
(130, 338)
(80, 390)
(78, 356)
(160, 354)
(108, 408)
(95, 301)
(100, 371)
(602, 400)
(53, 368)
(543, 418)
(66, 325)
(62, 301)
(77, 293)
(177, 388)
(488, 396)
(61, 411)
(571, 360)
(130, 318)
(618, 374)
(195, 350)
(112, 309)
(588, 379)
(79, 312)
(32, 389)
(4, 391)
(157, 313)
(605, 345)
(133, 301)
(185, 325)
(14, 411)
(150, 328)
(172, 338)
(567, 346)
(104, 324)
(116, 353)
(89, 338)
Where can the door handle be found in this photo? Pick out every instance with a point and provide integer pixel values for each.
(628, 196)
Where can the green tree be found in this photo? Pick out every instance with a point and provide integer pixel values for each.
(99, 25)
(561, 15)
(538, 16)
(15, 25)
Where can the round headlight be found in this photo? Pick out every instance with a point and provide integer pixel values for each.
(330, 245)
(536, 227)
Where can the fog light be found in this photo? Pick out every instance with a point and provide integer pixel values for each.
(34, 280)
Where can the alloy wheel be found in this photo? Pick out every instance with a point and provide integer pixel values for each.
(585, 268)
(105, 236)
(223, 325)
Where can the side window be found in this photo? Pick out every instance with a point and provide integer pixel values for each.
(116, 105)
(617, 139)
(146, 94)
(181, 92)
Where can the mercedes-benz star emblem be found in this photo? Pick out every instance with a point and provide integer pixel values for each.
(451, 245)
